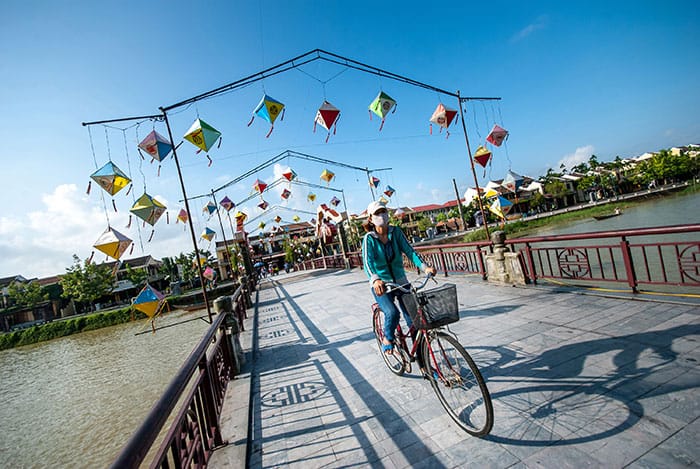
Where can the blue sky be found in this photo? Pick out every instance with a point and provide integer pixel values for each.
(575, 78)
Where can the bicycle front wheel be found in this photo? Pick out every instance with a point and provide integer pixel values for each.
(458, 383)
(395, 361)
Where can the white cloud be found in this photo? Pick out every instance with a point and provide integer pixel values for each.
(42, 242)
(539, 23)
(581, 155)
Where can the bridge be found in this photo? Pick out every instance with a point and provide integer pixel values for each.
(578, 378)
(603, 373)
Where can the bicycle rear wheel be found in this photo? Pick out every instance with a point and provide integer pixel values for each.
(458, 383)
(395, 361)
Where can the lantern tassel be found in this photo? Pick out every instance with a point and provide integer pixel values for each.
(114, 204)
(151, 237)
(89, 261)
(128, 225)
(89, 186)
(210, 161)
(251, 120)
(271, 129)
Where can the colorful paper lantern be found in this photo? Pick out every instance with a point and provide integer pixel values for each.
(482, 156)
(112, 243)
(327, 117)
(148, 301)
(335, 201)
(157, 146)
(182, 216)
(389, 191)
(443, 117)
(263, 205)
(208, 234)
(381, 106)
(110, 178)
(327, 176)
(268, 109)
(497, 135)
(285, 194)
(148, 209)
(227, 204)
(209, 208)
(374, 182)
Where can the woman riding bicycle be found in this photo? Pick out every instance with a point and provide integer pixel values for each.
(382, 247)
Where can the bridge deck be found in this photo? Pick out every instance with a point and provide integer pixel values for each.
(576, 379)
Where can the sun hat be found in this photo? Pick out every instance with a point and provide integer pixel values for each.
(374, 206)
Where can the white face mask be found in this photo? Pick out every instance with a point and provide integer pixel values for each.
(380, 220)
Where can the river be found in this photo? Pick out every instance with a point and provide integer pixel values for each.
(75, 401)
(671, 209)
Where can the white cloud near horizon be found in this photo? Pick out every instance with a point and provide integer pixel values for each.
(41, 243)
(581, 155)
(539, 23)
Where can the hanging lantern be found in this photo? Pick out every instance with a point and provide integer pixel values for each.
(227, 204)
(482, 156)
(268, 109)
(112, 243)
(327, 176)
(209, 208)
(148, 209)
(381, 106)
(311, 197)
(148, 301)
(335, 201)
(289, 175)
(285, 194)
(259, 186)
(278, 219)
(208, 234)
(203, 136)
(383, 200)
(110, 178)
(327, 117)
(389, 191)
(374, 182)
(182, 216)
(443, 117)
(296, 218)
(157, 146)
(263, 205)
(497, 135)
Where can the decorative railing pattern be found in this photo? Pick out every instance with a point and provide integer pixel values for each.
(201, 383)
(620, 256)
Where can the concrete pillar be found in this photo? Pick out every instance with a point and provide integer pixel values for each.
(503, 267)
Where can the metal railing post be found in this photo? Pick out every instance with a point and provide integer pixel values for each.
(629, 264)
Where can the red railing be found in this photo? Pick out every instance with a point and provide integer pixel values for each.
(619, 256)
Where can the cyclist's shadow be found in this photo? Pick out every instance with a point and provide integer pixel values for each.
(556, 399)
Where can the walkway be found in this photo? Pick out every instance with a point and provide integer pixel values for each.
(577, 380)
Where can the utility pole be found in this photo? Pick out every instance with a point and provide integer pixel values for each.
(459, 204)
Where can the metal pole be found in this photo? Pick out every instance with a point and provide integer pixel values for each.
(459, 203)
(471, 161)
(227, 253)
(189, 219)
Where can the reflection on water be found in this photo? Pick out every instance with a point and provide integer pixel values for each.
(74, 401)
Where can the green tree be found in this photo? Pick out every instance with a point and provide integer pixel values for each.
(27, 294)
(86, 282)
(168, 268)
(138, 277)
(441, 217)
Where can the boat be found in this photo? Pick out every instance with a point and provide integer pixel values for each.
(608, 215)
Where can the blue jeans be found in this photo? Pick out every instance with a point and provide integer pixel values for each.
(391, 312)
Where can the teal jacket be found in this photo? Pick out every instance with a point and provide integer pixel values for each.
(384, 261)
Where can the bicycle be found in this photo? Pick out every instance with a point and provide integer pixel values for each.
(444, 362)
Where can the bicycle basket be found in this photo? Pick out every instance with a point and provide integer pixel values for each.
(433, 308)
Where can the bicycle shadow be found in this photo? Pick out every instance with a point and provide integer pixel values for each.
(584, 391)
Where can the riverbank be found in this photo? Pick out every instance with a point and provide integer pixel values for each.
(525, 226)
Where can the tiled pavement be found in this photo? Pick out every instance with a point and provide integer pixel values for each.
(577, 380)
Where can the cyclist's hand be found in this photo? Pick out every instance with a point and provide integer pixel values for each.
(379, 287)
(431, 271)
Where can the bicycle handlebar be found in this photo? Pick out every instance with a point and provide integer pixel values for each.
(406, 288)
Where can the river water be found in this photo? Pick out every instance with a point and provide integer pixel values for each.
(75, 401)
(663, 211)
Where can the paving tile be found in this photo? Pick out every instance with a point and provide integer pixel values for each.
(585, 381)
